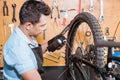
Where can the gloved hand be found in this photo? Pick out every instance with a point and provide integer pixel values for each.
(56, 43)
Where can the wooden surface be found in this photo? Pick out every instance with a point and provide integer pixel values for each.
(111, 19)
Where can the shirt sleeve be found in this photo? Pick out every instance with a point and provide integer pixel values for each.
(25, 60)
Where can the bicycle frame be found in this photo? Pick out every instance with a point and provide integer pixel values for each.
(103, 71)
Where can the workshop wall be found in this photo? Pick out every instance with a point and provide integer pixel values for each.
(6, 21)
(68, 8)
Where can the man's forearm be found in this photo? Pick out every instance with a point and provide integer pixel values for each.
(44, 47)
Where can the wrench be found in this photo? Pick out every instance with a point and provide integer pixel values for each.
(101, 18)
(91, 8)
(14, 8)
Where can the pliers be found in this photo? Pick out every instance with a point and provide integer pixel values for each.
(54, 5)
(5, 9)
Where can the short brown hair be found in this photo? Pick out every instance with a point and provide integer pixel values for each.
(31, 11)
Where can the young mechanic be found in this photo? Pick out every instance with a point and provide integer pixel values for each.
(22, 53)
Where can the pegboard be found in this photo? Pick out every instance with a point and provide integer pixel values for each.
(111, 11)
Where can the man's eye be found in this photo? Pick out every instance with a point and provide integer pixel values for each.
(42, 25)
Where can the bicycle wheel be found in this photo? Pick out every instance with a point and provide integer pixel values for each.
(85, 31)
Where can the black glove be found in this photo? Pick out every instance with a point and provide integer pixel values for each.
(56, 43)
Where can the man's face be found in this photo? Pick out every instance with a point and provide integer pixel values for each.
(40, 26)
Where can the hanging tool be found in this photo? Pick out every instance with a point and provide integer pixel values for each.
(4, 25)
(91, 8)
(107, 31)
(79, 6)
(5, 9)
(44, 34)
(55, 5)
(52, 55)
(101, 17)
(51, 59)
(14, 9)
(55, 22)
(11, 27)
(83, 10)
(65, 16)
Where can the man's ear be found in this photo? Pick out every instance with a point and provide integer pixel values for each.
(28, 25)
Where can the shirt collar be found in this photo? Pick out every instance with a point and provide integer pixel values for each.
(23, 37)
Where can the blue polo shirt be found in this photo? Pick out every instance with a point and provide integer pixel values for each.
(18, 56)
